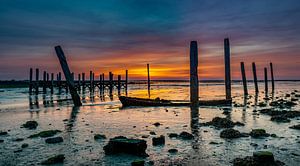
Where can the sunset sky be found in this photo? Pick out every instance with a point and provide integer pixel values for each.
(114, 35)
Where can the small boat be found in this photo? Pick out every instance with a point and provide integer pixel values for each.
(134, 101)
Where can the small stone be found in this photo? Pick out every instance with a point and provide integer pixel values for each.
(158, 140)
(297, 127)
(258, 133)
(152, 133)
(156, 124)
(230, 133)
(185, 135)
(54, 140)
(1, 140)
(17, 151)
(145, 136)
(99, 136)
(19, 139)
(30, 125)
(54, 160)
(263, 157)
(173, 135)
(3, 133)
(280, 119)
(213, 143)
(45, 134)
(138, 163)
(172, 150)
(24, 145)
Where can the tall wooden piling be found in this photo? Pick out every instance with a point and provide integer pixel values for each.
(244, 78)
(194, 83)
(255, 77)
(111, 77)
(37, 80)
(79, 80)
(272, 77)
(67, 73)
(91, 81)
(30, 80)
(44, 82)
(227, 69)
(266, 81)
(52, 84)
(148, 82)
(59, 82)
(126, 82)
(119, 84)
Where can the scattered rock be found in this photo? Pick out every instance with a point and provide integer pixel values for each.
(145, 136)
(281, 103)
(213, 143)
(138, 163)
(122, 144)
(230, 133)
(3, 133)
(259, 133)
(173, 135)
(1, 140)
(54, 140)
(30, 125)
(152, 133)
(186, 136)
(297, 127)
(156, 124)
(24, 145)
(273, 135)
(17, 151)
(262, 104)
(54, 160)
(158, 140)
(18, 139)
(99, 136)
(263, 158)
(280, 119)
(222, 123)
(45, 134)
(172, 150)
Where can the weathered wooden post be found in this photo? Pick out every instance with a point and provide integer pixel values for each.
(227, 69)
(66, 70)
(110, 83)
(119, 84)
(72, 76)
(30, 81)
(59, 82)
(272, 77)
(266, 81)
(148, 82)
(244, 78)
(91, 80)
(37, 80)
(194, 83)
(52, 79)
(103, 82)
(126, 82)
(47, 77)
(255, 77)
(83, 82)
(44, 82)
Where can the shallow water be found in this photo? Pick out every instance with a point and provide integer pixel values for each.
(103, 115)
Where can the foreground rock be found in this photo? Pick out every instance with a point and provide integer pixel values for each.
(3, 133)
(54, 160)
(222, 123)
(260, 158)
(297, 127)
(158, 140)
(122, 144)
(45, 134)
(230, 133)
(54, 140)
(259, 133)
(280, 119)
(99, 136)
(185, 135)
(30, 125)
(281, 103)
(138, 163)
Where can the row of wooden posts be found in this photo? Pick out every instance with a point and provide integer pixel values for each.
(194, 83)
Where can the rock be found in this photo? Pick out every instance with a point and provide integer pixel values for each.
(297, 127)
(30, 125)
(19, 139)
(54, 160)
(273, 135)
(24, 145)
(280, 119)
(282, 103)
(138, 163)
(172, 150)
(1, 140)
(262, 104)
(239, 124)
(230, 133)
(3, 133)
(145, 136)
(99, 136)
(54, 140)
(260, 158)
(258, 133)
(185, 135)
(125, 145)
(263, 157)
(213, 143)
(17, 151)
(152, 133)
(156, 124)
(45, 134)
(173, 135)
(158, 140)
(222, 123)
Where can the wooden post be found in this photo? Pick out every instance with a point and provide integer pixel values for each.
(194, 83)
(111, 82)
(66, 70)
(119, 84)
(272, 77)
(37, 80)
(44, 82)
(30, 81)
(244, 78)
(79, 80)
(266, 81)
(47, 77)
(59, 82)
(126, 81)
(91, 80)
(148, 82)
(227, 69)
(103, 82)
(52, 78)
(255, 77)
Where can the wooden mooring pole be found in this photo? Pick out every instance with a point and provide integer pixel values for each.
(30, 81)
(148, 78)
(194, 83)
(227, 69)
(44, 82)
(67, 73)
(119, 84)
(37, 80)
(244, 78)
(272, 77)
(126, 82)
(266, 80)
(255, 77)
(52, 84)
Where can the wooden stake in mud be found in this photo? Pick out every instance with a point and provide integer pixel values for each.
(119, 84)
(126, 82)
(59, 82)
(68, 76)
(227, 69)
(111, 84)
(91, 81)
(44, 82)
(30, 81)
(244, 78)
(148, 72)
(272, 77)
(266, 81)
(255, 77)
(194, 83)
(37, 80)
(51, 85)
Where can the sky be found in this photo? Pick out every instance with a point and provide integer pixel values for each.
(115, 35)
